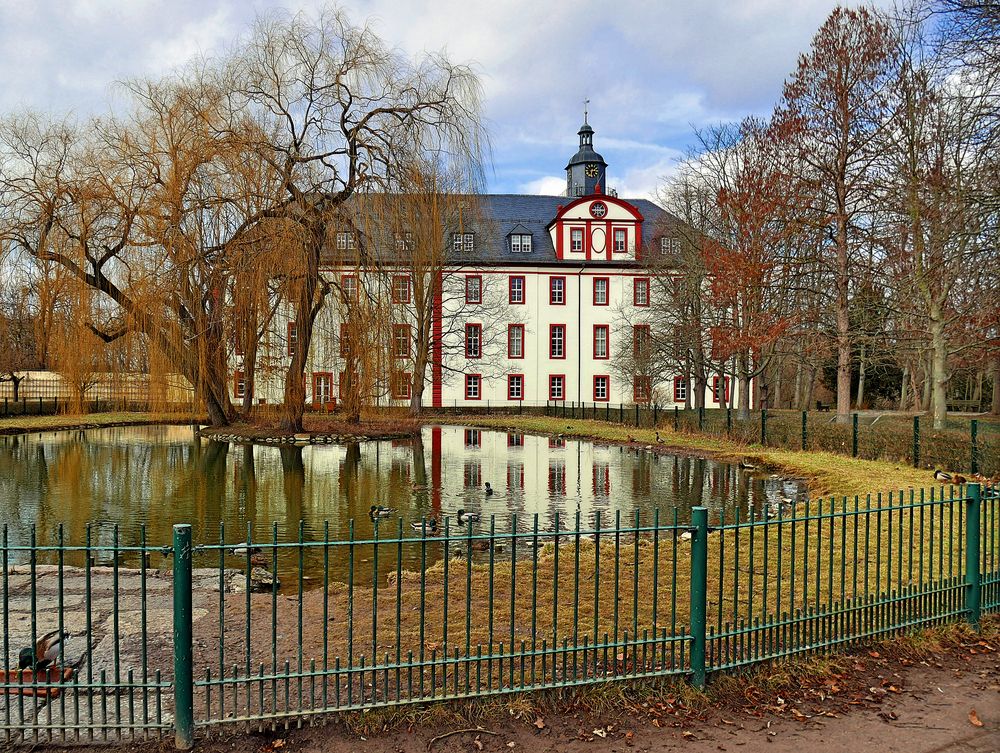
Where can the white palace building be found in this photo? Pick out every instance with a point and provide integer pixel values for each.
(574, 275)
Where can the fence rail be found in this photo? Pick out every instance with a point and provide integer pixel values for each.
(181, 637)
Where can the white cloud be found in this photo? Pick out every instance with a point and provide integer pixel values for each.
(548, 185)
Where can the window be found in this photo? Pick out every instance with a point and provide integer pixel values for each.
(642, 389)
(345, 240)
(602, 479)
(557, 477)
(515, 386)
(463, 241)
(619, 240)
(557, 341)
(400, 385)
(640, 291)
(474, 289)
(515, 341)
(576, 240)
(520, 243)
(472, 474)
(517, 289)
(680, 389)
(557, 291)
(238, 343)
(239, 384)
(473, 340)
(601, 335)
(293, 338)
(715, 389)
(600, 291)
(401, 289)
(322, 387)
(602, 384)
(515, 440)
(515, 471)
(640, 341)
(404, 241)
(401, 340)
(473, 382)
(557, 386)
(670, 245)
(344, 341)
(349, 287)
(473, 438)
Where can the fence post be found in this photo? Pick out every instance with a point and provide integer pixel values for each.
(677, 418)
(763, 426)
(805, 430)
(974, 441)
(699, 593)
(701, 418)
(916, 441)
(854, 435)
(637, 415)
(621, 413)
(972, 564)
(729, 420)
(183, 656)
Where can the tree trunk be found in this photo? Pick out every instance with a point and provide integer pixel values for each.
(843, 324)
(743, 412)
(859, 403)
(939, 368)
(903, 387)
(995, 375)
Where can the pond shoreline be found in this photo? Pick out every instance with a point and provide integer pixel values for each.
(317, 431)
(36, 424)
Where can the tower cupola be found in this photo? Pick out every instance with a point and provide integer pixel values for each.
(587, 169)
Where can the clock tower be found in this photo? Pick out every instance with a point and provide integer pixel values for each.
(587, 169)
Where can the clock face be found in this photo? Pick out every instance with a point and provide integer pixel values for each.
(592, 170)
(598, 209)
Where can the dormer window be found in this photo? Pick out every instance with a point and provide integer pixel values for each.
(520, 243)
(345, 240)
(576, 240)
(670, 245)
(463, 241)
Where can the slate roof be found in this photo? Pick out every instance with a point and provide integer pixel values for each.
(507, 213)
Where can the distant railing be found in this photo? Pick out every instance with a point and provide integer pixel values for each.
(185, 637)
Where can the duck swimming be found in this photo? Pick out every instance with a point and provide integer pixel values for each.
(465, 518)
(377, 512)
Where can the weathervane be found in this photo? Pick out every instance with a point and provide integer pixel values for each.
(585, 103)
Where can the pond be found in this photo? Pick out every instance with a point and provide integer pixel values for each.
(122, 480)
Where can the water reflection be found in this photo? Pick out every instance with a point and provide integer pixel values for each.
(120, 479)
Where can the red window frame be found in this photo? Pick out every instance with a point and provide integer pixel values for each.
(478, 328)
(635, 290)
(292, 335)
(238, 343)
(607, 388)
(561, 377)
(344, 340)
(401, 385)
(552, 328)
(574, 233)
(510, 329)
(607, 342)
(607, 290)
(473, 438)
(515, 440)
(602, 479)
(396, 298)
(396, 328)
(557, 477)
(645, 394)
(510, 290)
(715, 389)
(510, 378)
(479, 386)
(614, 240)
(469, 278)
(552, 281)
(647, 334)
(680, 380)
(315, 380)
(344, 286)
(239, 378)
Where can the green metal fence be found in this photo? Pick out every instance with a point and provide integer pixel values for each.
(969, 445)
(186, 637)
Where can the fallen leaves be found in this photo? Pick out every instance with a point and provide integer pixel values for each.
(540, 723)
(974, 719)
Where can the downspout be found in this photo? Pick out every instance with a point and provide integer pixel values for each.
(579, 337)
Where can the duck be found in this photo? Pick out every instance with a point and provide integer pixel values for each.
(427, 525)
(377, 512)
(243, 549)
(949, 478)
(45, 651)
(746, 465)
(659, 439)
(489, 489)
(465, 518)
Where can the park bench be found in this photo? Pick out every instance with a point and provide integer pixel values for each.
(974, 406)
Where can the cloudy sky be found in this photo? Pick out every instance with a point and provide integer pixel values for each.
(653, 69)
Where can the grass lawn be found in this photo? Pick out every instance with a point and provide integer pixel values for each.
(59, 422)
